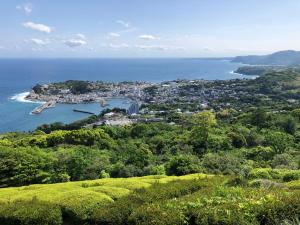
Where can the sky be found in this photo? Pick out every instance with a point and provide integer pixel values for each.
(147, 28)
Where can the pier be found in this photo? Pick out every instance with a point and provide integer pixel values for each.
(41, 108)
(83, 111)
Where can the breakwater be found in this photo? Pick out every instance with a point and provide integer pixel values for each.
(41, 108)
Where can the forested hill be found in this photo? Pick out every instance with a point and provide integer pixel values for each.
(286, 58)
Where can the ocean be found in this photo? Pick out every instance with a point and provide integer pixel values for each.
(18, 76)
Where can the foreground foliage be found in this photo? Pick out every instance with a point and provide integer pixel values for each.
(191, 199)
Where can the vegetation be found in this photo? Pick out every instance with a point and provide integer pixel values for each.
(191, 199)
(257, 70)
(80, 175)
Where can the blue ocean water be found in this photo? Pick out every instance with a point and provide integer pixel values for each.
(20, 75)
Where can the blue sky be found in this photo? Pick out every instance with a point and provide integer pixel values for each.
(147, 28)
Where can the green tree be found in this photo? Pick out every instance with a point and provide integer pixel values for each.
(181, 165)
(203, 122)
(289, 125)
(279, 141)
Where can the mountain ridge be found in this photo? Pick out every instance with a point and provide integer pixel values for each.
(284, 58)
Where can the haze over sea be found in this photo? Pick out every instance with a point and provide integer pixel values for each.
(18, 76)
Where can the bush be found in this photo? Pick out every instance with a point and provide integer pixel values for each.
(104, 174)
(268, 173)
(30, 213)
(290, 176)
(279, 141)
(260, 174)
(238, 140)
(276, 212)
(259, 153)
(221, 163)
(145, 206)
(181, 165)
(282, 161)
(156, 214)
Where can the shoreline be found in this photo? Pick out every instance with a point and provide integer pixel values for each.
(245, 75)
(21, 97)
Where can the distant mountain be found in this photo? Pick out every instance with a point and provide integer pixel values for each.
(284, 58)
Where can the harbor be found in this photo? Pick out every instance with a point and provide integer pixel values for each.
(41, 108)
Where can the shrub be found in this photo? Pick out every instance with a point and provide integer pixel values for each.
(278, 211)
(156, 214)
(30, 213)
(260, 174)
(238, 140)
(282, 161)
(104, 174)
(279, 141)
(290, 176)
(259, 153)
(181, 165)
(221, 163)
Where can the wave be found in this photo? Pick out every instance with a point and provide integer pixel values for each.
(247, 76)
(21, 97)
(233, 72)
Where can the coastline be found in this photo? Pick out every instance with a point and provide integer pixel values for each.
(21, 97)
(241, 74)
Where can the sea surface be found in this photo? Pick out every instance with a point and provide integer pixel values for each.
(18, 76)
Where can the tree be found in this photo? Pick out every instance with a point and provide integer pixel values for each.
(296, 114)
(289, 125)
(238, 140)
(203, 122)
(205, 119)
(23, 166)
(259, 118)
(221, 163)
(279, 141)
(181, 165)
(259, 153)
(282, 161)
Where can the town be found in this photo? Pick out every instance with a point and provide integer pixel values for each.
(150, 102)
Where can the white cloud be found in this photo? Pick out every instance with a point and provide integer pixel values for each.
(38, 27)
(118, 46)
(27, 8)
(148, 37)
(72, 43)
(39, 42)
(81, 36)
(124, 23)
(114, 35)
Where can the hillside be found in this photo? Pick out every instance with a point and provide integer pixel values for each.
(159, 200)
(242, 148)
(284, 58)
